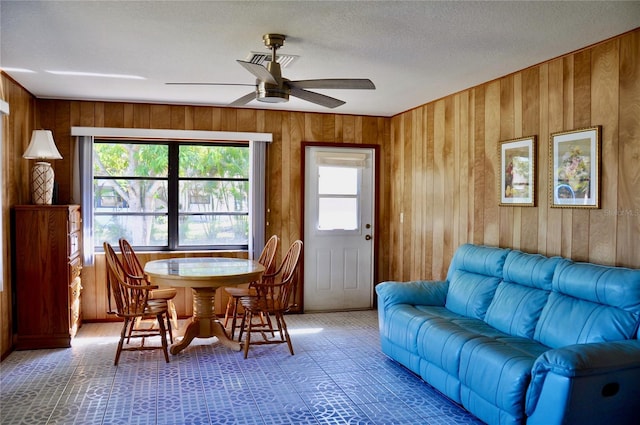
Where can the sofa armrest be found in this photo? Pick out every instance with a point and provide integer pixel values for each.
(416, 293)
(584, 375)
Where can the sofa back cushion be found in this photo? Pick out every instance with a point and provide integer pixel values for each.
(520, 298)
(590, 303)
(474, 275)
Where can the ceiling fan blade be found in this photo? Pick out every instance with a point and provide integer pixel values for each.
(210, 84)
(259, 71)
(244, 99)
(334, 83)
(317, 98)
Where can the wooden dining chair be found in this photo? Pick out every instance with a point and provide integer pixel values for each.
(133, 267)
(267, 257)
(132, 302)
(274, 297)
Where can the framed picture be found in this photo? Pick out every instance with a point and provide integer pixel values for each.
(518, 172)
(575, 168)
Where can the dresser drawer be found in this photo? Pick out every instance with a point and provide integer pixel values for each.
(75, 220)
(74, 244)
(75, 290)
(75, 267)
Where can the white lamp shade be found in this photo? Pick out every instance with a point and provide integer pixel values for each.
(42, 146)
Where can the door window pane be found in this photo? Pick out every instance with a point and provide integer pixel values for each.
(337, 181)
(337, 214)
(338, 198)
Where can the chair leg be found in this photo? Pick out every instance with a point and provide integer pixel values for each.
(163, 336)
(169, 327)
(123, 335)
(227, 311)
(283, 327)
(268, 320)
(132, 325)
(235, 315)
(173, 314)
(242, 325)
(247, 341)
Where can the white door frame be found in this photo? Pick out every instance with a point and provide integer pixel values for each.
(376, 209)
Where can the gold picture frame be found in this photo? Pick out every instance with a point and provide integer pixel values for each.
(574, 168)
(517, 179)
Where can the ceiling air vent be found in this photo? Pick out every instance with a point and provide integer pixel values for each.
(263, 58)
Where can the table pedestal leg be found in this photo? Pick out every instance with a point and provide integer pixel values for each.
(204, 323)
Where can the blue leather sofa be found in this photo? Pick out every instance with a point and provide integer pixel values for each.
(521, 338)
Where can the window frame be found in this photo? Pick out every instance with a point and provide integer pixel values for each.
(82, 181)
(173, 180)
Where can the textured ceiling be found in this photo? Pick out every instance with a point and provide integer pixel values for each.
(414, 52)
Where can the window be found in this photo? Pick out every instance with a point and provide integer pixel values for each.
(338, 198)
(169, 195)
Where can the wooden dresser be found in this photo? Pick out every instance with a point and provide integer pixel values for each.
(47, 264)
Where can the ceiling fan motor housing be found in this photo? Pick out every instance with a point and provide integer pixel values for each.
(271, 93)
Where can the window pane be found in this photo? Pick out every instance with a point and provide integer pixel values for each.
(130, 160)
(120, 195)
(132, 188)
(337, 214)
(218, 196)
(138, 230)
(214, 229)
(214, 161)
(337, 181)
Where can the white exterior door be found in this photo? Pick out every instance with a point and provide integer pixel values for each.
(338, 233)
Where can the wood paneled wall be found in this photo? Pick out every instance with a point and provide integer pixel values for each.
(439, 163)
(17, 127)
(284, 194)
(444, 157)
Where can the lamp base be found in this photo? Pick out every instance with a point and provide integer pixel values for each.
(42, 183)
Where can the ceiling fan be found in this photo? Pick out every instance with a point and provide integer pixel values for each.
(271, 87)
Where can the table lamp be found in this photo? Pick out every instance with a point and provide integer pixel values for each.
(42, 147)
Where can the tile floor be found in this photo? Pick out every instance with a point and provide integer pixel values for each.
(337, 376)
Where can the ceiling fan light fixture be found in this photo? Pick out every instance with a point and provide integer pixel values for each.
(271, 93)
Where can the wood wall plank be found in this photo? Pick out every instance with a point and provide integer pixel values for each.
(627, 209)
(604, 111)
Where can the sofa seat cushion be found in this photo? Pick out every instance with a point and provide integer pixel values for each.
(440, 339)
(403, 321)
(498, 371)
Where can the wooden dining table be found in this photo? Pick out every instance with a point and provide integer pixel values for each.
(203, 275)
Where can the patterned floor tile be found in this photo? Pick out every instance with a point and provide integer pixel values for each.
(337, 376)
